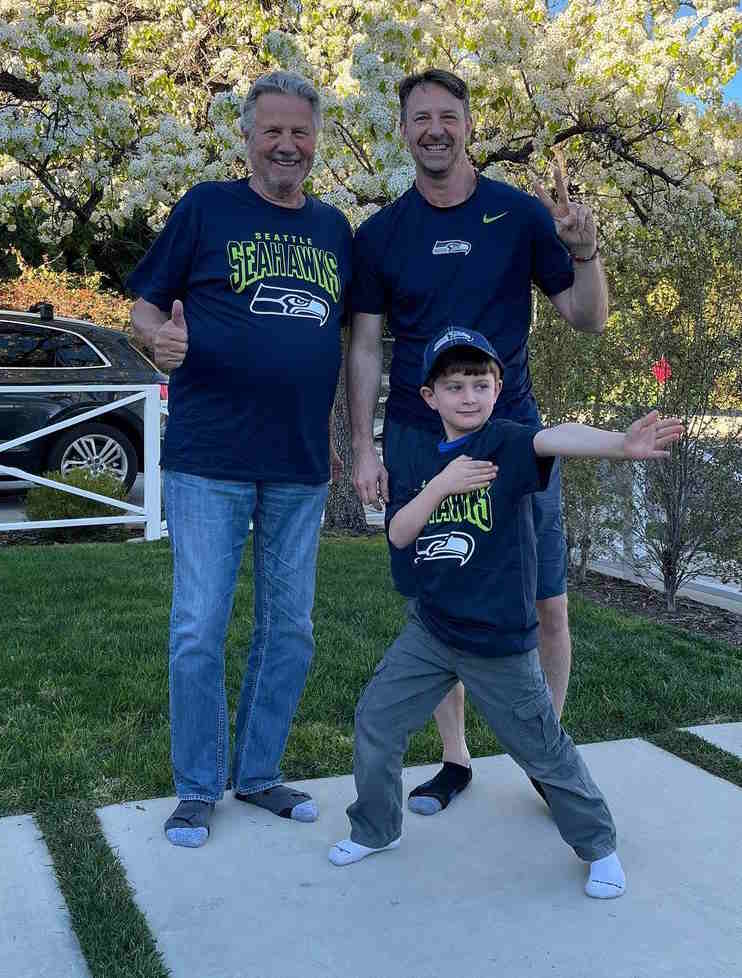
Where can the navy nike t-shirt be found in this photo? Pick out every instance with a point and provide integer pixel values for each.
(475, 559)
(471, 265)
(264, 292)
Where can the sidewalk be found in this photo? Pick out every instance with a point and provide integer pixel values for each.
(485, 889)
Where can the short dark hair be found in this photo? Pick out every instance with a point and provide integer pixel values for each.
(434, 76)
(463, 359)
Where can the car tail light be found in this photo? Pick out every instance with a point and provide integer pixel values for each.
(163, 392)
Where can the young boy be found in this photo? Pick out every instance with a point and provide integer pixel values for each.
(474, 617)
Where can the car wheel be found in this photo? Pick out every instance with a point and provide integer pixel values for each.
(96, 448)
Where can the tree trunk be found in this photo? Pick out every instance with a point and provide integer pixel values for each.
(344, 511)
(670, 580)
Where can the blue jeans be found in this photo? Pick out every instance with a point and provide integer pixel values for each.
(208, 524)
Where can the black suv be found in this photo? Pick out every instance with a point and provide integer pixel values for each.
(38, 348)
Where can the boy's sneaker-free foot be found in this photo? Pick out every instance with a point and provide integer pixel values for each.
(346, 851)
(189, 824)
(607, 880)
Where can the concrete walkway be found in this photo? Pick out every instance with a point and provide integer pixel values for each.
(728, 736)
(36, 939)
(487, 888)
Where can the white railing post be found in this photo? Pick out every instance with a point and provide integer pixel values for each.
(149, 514)
(152, 464)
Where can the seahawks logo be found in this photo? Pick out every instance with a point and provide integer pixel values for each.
(453, 247)
(453, 336)
(445, 546)
(271, 301)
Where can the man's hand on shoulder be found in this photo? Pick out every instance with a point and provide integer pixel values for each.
(171, 339)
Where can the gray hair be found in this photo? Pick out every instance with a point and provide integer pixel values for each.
(281, 83)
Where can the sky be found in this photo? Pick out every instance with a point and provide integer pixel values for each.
(733, 91)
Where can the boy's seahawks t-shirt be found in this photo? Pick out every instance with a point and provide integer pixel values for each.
(475, 560)
(264, 292)
(471, 265)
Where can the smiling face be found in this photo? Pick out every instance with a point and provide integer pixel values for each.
(280, 147)
(436, 128)
(464, 400)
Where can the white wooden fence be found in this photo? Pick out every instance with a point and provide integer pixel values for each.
(149, 514)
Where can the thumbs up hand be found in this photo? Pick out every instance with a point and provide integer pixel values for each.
(171, 341)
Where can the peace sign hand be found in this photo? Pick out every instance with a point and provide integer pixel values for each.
(574, 222)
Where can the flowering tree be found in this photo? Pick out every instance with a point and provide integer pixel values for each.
(110, 110)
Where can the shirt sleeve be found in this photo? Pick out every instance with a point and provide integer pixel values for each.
(163, 274)
(520, 469)
(368, 291)
(551, 263)
(403, 487)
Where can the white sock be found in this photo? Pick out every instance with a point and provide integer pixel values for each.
(346, 851)
(606, 880)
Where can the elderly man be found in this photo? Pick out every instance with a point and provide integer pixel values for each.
(460, 249)
(242, 298)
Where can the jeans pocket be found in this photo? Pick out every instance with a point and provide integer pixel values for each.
(540, 727)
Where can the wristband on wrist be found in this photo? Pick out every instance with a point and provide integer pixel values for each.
(591, 258)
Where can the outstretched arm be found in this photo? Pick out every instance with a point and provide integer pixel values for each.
(648, 437)
(585, 304)
(463, 474)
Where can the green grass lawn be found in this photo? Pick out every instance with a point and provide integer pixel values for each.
(84, 713)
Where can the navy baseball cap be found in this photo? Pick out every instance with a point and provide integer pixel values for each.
(454, 336)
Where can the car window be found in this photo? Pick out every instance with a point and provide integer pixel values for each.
(44, 346)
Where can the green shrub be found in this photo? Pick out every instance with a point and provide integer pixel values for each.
(45, 503)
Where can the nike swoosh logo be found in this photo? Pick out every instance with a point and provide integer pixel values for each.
(489, 220)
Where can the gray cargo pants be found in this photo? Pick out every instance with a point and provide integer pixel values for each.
(511, 693)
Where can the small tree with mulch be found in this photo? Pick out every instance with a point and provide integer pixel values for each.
(687, 343)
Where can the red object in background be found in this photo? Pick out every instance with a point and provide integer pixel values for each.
(662, 370)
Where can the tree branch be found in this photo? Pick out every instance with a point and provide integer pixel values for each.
(20, 87)
(354, 146)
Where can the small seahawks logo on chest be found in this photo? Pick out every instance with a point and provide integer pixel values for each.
(453, 247)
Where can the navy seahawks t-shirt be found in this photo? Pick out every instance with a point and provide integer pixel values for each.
(264, 292)
(475, 560)
(471, 265)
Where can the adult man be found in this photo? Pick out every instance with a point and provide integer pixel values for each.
(458, 248)
(254, 347)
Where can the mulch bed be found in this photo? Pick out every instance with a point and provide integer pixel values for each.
(702, 619)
